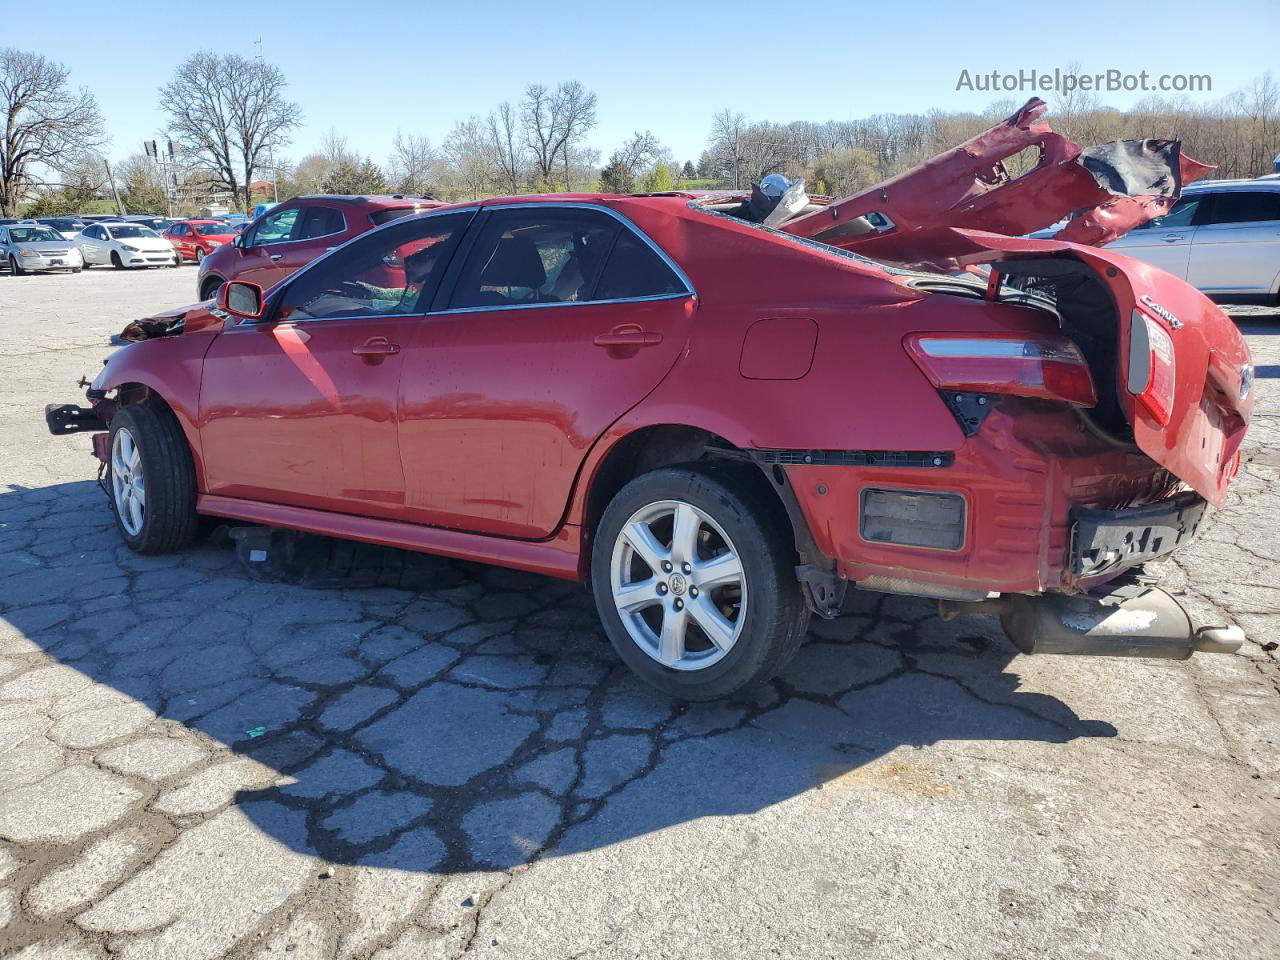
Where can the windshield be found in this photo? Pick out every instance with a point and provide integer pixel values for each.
(125, 232)
(34, 235)
(210, 229)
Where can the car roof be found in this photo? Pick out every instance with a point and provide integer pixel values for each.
(373, 201)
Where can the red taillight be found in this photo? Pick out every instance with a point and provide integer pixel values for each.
(1052, 368)
(1151, 366)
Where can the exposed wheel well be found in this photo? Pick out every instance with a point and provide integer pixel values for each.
(667, 445)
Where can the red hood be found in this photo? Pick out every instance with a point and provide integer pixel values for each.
(188, 319)
(1113, 188)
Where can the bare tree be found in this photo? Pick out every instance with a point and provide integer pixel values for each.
(727, 130)
(509, 150)
(470, 163)
(228, 113)
(413, 165)
(556, 121)
(46, 123)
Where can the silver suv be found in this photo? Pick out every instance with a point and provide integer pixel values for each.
(1222, 236)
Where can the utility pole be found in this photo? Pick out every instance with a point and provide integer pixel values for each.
(114, 192)
(271, 150)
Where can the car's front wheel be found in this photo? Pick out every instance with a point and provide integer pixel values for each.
(693, 578)
(116, 261)
(210, 287)
(151, 479)
(199, 255)
(14, 268)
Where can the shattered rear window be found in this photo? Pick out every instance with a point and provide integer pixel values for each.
(815, 245)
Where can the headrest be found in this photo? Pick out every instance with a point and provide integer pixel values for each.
(515, 263)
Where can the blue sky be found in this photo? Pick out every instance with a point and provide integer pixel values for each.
(421, 66)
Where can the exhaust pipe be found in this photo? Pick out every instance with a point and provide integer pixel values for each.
(1127, 620)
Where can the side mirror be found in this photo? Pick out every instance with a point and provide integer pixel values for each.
(240, 298)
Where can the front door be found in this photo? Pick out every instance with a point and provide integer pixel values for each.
(300, 407)
(559, 319)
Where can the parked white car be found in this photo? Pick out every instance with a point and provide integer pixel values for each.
(29, 247)
(1222, 237)
(125, 245)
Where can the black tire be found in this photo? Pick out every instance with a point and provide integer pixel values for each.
(14, 269)
(210, 287)
(776, 615)
(116, 261)
(199, 255)
(169, 521)
(76, 269)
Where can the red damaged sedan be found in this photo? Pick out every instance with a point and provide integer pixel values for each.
(721, 410)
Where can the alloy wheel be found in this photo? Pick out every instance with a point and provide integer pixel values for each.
(127, 485)
(678, 585)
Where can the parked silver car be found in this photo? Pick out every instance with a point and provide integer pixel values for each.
(1222, 236)
(27, 248)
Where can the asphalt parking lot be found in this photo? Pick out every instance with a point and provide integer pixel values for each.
(197, 764)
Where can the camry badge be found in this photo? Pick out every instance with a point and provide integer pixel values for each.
(1160, 312)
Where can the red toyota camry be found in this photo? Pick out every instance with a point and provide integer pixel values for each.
(718, 412)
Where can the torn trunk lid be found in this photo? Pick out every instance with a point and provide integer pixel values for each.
(1111, 189)
(1184, 375)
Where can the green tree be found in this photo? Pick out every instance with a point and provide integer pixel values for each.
(350, 177)
(617, 177)
(659, 179)
(689, 172)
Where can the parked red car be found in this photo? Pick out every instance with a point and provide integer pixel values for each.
(294, 233)
(196, 239)
(716, 423)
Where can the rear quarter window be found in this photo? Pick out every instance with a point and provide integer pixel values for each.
(635, 270)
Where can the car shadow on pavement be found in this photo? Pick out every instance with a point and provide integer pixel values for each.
(460, 717)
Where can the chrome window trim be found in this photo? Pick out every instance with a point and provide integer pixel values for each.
(626, 222)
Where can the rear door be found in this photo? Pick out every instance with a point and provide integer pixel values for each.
(558, 319)
(1236, 248)
(180, 236)
(1166, 241)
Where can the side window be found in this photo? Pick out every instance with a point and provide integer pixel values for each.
(180, 230)
(634, 270)
(1182, 214)
(1244, 206)
(535, 256)
(97, 233)
(385, 273)
(319, 222)
(274, 228)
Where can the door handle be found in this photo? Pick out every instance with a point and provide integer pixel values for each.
(373, 349)
(276, 256)
(628, 336)
(1173, 239)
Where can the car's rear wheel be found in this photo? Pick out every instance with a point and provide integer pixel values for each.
(116, 261)
(693, 578)
(151, 479)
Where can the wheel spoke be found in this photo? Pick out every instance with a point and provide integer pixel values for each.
(714, 624)
(684, 534)
(646, 545)
(636, 596)
(717, 572)
(671, 642)
(134, 506)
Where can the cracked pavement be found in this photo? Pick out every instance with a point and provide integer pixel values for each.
(431, 758)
